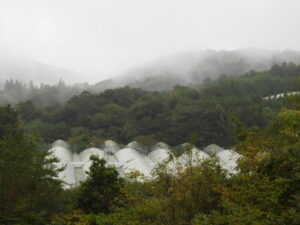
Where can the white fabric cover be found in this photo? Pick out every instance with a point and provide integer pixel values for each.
(136, 146)
(228, 160)
(62, 153)
(213, 149)
(159, 155)
(195, 156)
(137, 165)
(127, 154)
(131, 159)
(67, 175)
(111, 147)
(160, 145)
(60, 143)
(87, 153)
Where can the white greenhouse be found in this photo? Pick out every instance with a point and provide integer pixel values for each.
(133, 158)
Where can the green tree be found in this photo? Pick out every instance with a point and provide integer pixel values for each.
(148, 116)
(9, 122)
(102, 189)
(28, 110)
(29, 192)
(267, 189)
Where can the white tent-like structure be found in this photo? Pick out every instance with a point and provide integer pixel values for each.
(60, 143)
(195, 156)
(137, 146)
(132, 158)
(137, 165)
(213, 149)
(127, 154)
(110, 147)
(159, 155)
(61, 151)
(228, 160)
(160, 145)
(85, 158)
(87, 153)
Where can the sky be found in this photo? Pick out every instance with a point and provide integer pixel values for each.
(105, 37)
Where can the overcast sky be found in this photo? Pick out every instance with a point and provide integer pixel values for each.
(108, 36)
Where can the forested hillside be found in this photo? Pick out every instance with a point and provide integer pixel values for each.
(139, 112)
(22, 79)
(266, 189)
(210, 112)
(15, 91)
(17, 67)
(195, 67)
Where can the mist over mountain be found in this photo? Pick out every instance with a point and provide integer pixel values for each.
(25, 70)
(185, 68)
(194, 67)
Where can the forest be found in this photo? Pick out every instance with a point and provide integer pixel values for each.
(125, 114)
(232, 112)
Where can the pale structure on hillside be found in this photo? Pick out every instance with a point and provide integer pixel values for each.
(194, 156)
(159, 155)
(111, 147)
(132, 158)
(60, 149)
(281, 95)
(160, 145)
(138, 147)
(85, 155)
(213, 149)
(228, 160)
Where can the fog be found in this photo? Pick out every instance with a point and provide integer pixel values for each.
(98, 39)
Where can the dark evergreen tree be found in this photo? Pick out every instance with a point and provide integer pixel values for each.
(100, 192)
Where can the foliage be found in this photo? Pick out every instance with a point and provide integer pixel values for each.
(191, 191)
(125, 114)
(74, 218)
(29, 192)
(267, 189)
(9, 123)
(100, 192)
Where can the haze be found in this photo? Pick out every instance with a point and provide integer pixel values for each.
(101, 38)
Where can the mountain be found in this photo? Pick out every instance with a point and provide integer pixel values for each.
(192, 68)
(25, 70)
(185, 68)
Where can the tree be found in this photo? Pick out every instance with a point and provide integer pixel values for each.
(148, 116)
(9, 123)
(267, 189)
(209, 123)
(29, 192)
(100, 192)
(28, 110)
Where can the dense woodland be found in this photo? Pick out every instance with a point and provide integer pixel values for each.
(229, 112)
(126, 114)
